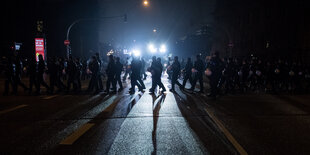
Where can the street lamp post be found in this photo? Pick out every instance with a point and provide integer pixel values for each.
(87, 19)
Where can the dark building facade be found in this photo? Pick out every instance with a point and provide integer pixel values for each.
(262, 27)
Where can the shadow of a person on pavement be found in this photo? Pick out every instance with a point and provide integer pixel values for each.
(157, 102)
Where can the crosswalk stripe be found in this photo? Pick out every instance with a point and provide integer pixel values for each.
(228, 135)
(77, 134)
(12, 109)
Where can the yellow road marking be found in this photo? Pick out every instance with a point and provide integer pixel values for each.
(112, 106)
(77, 134)
(12, 109)
(228, 135)
(50, 97)
(83, 129)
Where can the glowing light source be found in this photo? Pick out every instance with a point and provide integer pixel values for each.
(136, 52)
(110, 52)
(163, 48)
(145, 3)
(152, 48)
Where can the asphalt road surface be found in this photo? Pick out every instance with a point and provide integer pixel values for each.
(164, 123)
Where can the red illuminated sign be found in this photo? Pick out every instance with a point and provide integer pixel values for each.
(67, 42)
(39, 47)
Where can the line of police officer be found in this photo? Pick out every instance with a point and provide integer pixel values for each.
(229, 74)
(72, 70)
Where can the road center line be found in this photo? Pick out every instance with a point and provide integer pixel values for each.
(84, 128)
(228, 135)
(77, 134)
(12, 109)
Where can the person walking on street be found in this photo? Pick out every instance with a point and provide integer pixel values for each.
(8, 72)
(127, 69)
(17, 70)
(187, 72)
(40, 71)
(71, 71)
(198, 74)
(216, 67)
(93, 67)
(32, 71)
(118, 69)
(175, 69)
(135, 75)
(158, 78)
(99, 71)
(79, 67)
(110, 71)
(155, 71)
(143, 74)
(52, 70)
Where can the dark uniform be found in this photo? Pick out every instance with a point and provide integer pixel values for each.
(71, 71)
(176, 69)
(143, 69)
(52, 70)
(140, 75)
(188, 72)
(84, 68)
(79, 68)
(93, 66)
(32, 71)
(216, 68)
(99, 71)
(118, 69)
(135, 75)
(8, 71)
(40, 72)
(158, 78)
(17, 75)
(127, 69)
(156, 69)
(199, 67)
(110, 71)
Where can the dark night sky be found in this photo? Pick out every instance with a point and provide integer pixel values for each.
(172, 18)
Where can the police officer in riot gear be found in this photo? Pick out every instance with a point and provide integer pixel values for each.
(187, 72)
(8, 71)
(198, 73)
(40, 72)
(110, 71)
(118, 69)
(175, 69)
(93, 67)
(71, 71)
(32, 71)
(135, 75)
(99, 71)
(216, 67)
(17, 68)
(156, 71)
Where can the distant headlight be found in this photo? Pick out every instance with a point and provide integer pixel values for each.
(163, 49)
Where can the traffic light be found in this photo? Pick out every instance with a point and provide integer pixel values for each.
(40, 26)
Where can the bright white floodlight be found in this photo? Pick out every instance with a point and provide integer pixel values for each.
(152, 48)
(163, 48)
(136, 52)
